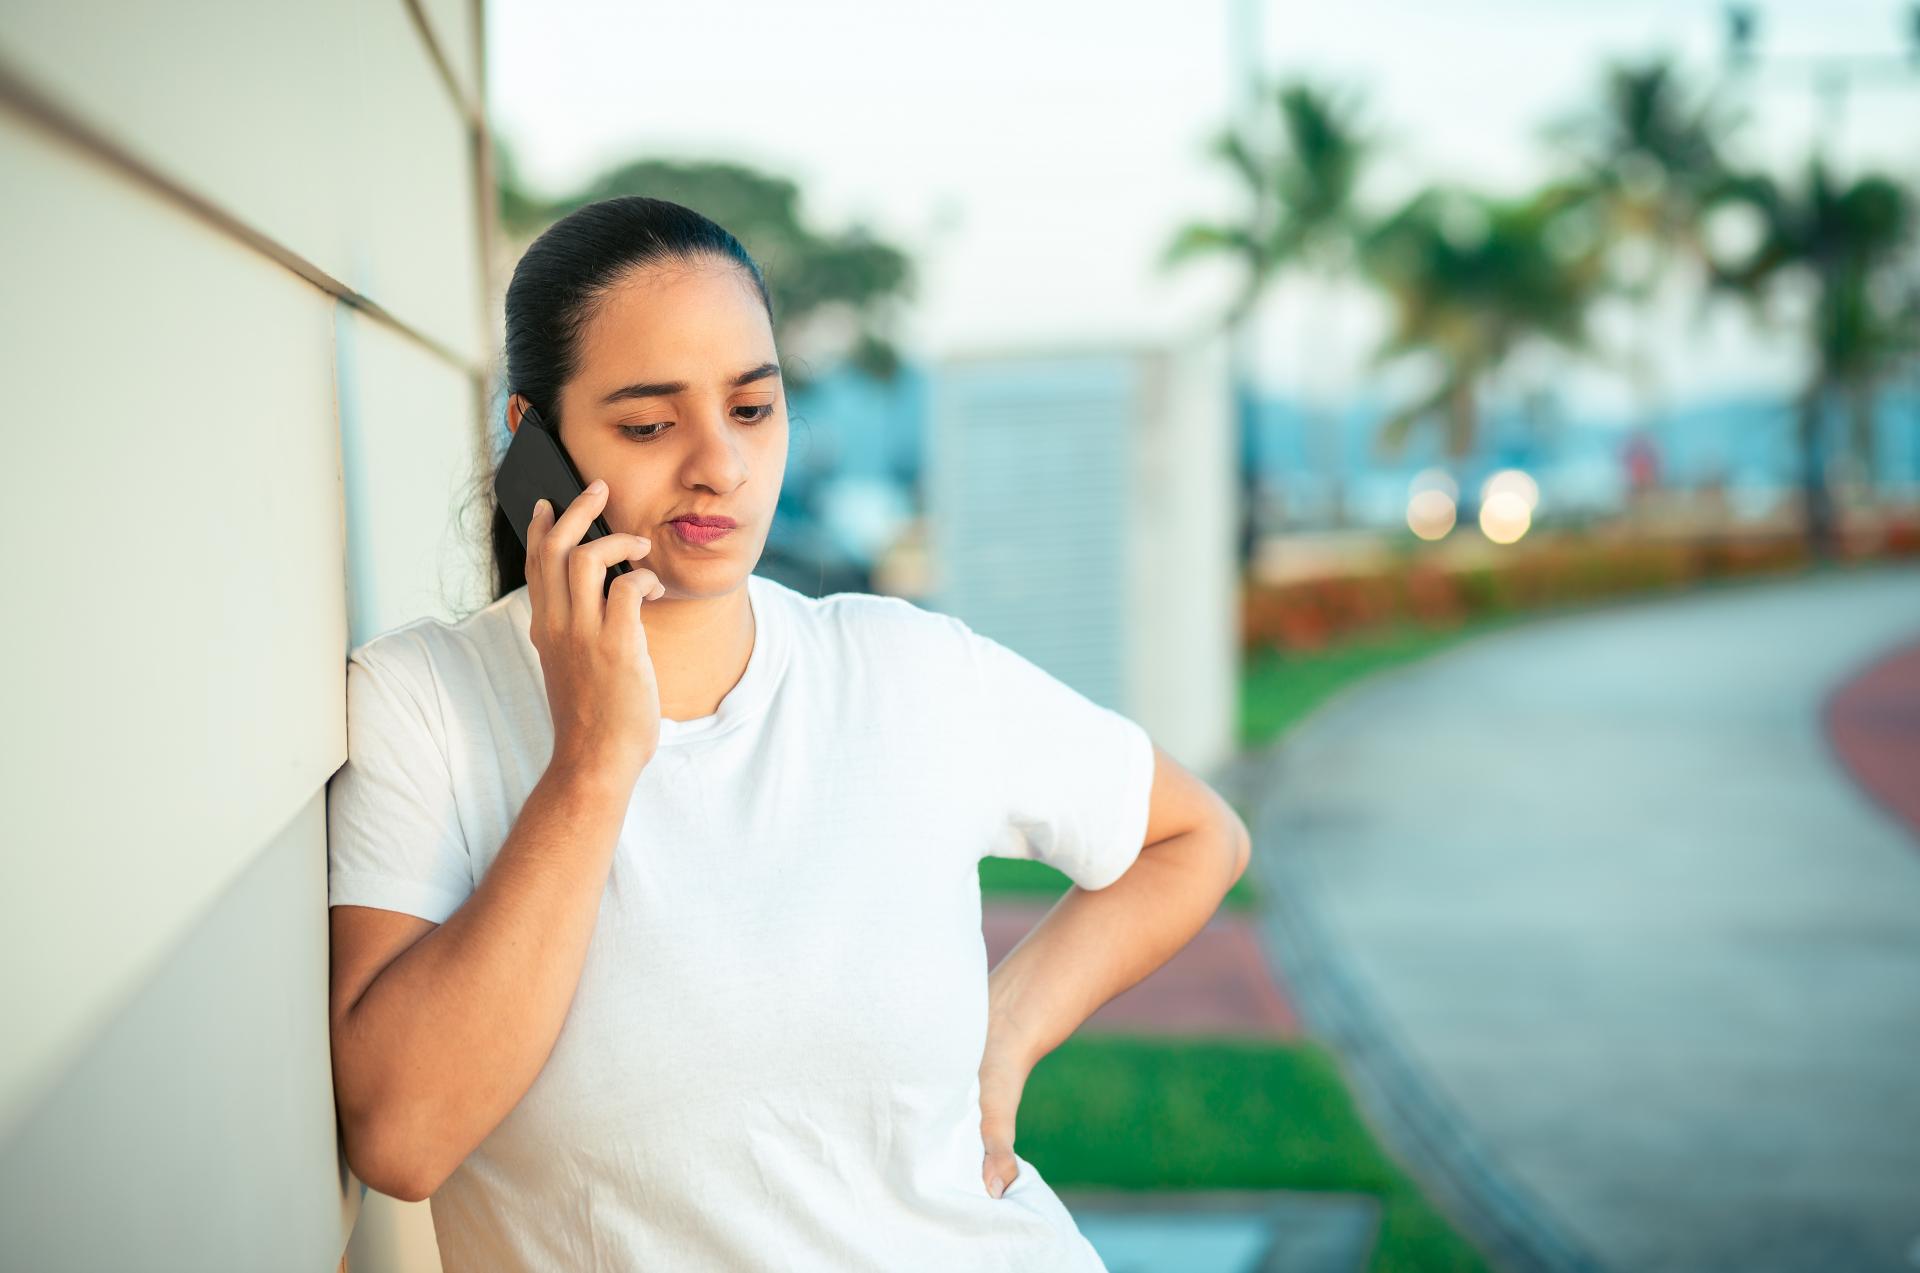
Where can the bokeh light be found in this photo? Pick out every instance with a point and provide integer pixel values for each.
(1504, 517)
(1514, 481)
(1430, 514)
(1435, 480)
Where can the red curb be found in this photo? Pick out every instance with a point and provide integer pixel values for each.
(1218, 983)
(1873, 722)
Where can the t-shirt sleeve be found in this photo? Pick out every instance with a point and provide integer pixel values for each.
(1072, 777)
(393, 831)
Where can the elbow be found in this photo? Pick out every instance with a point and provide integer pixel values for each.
(411, 1192)
(388, 1173)
(385, 1162)
(374, 1169)
(381, 1131)
(1241, 842)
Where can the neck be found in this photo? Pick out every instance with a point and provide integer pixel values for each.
(700, 647)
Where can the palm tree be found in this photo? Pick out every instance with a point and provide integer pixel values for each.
(1302, 213)
(1651, 152)
(1848, 240)
(1471, 280)
(1649, 155)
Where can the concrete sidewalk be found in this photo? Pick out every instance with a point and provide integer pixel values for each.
(1618, 947)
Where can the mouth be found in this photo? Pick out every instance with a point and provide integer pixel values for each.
(701, 530)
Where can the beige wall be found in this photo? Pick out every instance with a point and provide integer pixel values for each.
(244, 332)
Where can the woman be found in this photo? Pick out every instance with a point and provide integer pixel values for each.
(656, 916)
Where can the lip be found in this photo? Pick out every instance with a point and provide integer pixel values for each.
(701, 530)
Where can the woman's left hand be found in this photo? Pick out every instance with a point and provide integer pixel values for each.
(1003, 1077)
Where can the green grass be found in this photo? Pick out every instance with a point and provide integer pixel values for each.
(1279, 688)
(1017, 878)
(1121, 1112)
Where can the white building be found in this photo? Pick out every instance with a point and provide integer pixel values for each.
(246, 323)
(1080, 507)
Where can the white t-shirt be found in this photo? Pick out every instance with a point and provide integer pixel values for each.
(772, 1058)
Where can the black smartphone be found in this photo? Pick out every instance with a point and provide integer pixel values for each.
(536, 467)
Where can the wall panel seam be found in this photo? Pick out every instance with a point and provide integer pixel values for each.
(487, 206)
(39, 109)
(469, 109)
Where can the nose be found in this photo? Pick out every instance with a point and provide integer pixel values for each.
(717, 460)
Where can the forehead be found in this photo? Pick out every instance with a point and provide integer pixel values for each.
(681, 322)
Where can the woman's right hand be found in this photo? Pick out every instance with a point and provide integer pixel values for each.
(601, 689)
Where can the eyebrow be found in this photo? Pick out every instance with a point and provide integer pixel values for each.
(667, 388)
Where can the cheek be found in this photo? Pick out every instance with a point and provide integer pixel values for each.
(630, 508)
(773, 454)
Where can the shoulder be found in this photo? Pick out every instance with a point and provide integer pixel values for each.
(397, 652)
(874, 614)
(421, 653)
(882, 628)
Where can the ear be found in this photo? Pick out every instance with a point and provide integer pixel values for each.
(516, 404)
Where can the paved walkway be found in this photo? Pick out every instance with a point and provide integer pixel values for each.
(1874, 721)
(1626, 961)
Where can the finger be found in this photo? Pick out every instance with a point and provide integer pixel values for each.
(555, 549)
(570, 526)
(609, 552)
(623, 604)
(608, 549)
(998, 1167)
(584, 508)
(550, 611)
(547, 555)
(999, 1170)
(587, 567)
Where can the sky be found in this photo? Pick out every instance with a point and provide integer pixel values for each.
(1036, 157)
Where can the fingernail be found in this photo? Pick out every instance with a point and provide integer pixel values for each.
(597, 486)
(538, 506)
(996, 1186)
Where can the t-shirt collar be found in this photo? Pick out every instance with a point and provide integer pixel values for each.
(749, 696)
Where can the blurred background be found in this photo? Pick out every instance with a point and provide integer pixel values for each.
(1483, 439)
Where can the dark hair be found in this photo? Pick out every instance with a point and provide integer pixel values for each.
(558, 287)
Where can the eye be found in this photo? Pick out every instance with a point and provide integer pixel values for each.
(647, 432)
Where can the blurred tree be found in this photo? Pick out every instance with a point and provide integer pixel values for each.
(1470, 280)
(834, 296)
(1845, 244)
(1304, 194)
(1648, 154)
(522, 214)
(1302, 212)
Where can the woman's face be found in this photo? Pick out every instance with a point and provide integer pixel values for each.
(679, 405)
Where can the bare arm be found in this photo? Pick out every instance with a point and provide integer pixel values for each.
(438, 1031)
(1093, 945)
(435, 1045)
